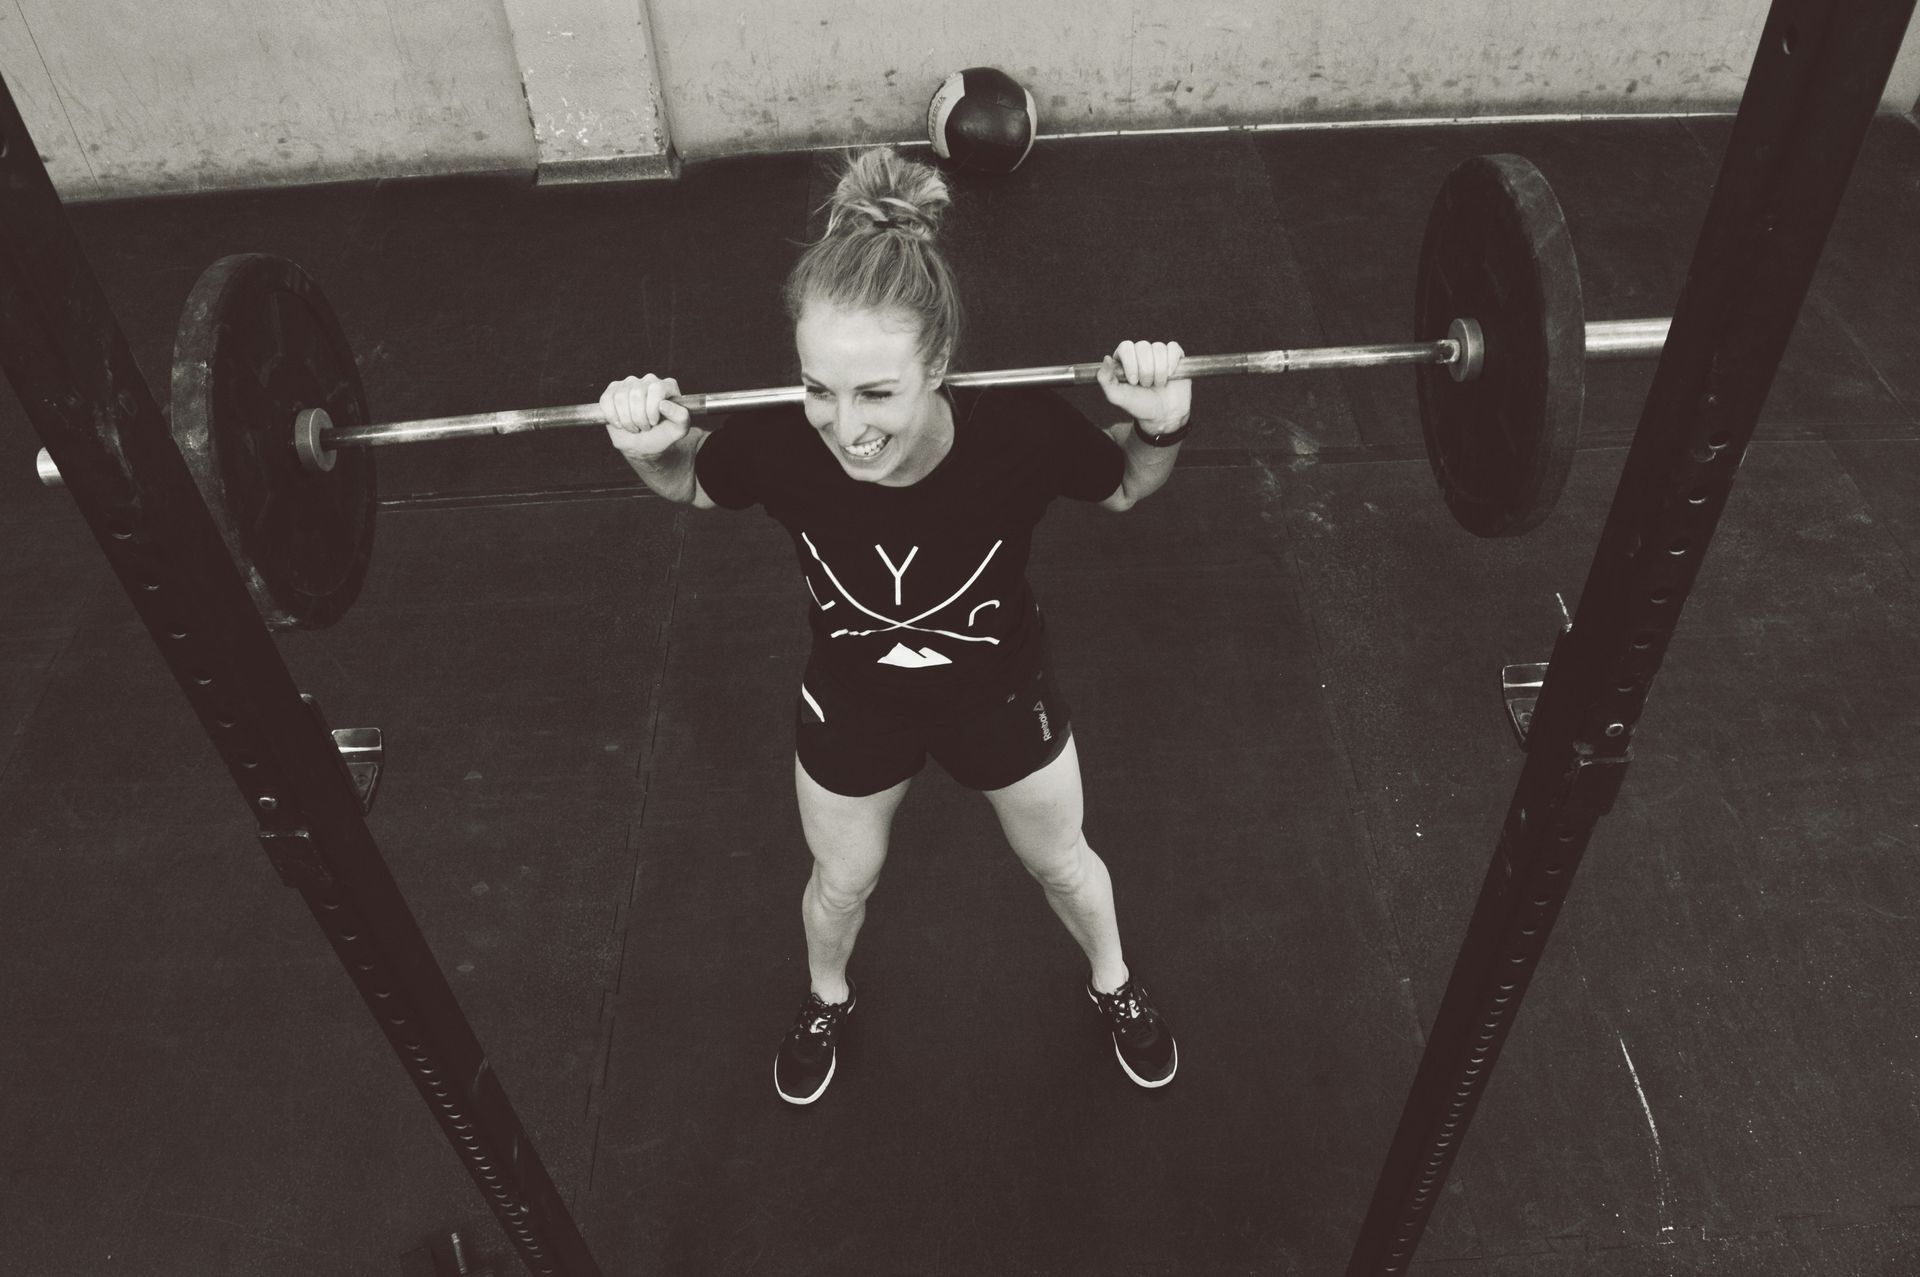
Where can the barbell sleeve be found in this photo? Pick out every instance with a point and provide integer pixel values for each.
(1617, 339)
(1606, 340)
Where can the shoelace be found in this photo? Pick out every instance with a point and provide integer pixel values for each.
(817, 1021)
(1127, 1009)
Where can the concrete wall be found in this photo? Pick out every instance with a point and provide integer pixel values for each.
(126, 96)
(138, 95)
(762, 74)
(592, 90)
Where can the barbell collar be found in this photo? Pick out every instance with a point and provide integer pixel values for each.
(311, 430)
(1471, 341)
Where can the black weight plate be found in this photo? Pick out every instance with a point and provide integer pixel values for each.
(257, 343)
(1496, 250)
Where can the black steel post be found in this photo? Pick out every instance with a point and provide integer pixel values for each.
(74, 373)
(1815, 84)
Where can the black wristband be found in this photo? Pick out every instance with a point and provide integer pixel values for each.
(1166, 440)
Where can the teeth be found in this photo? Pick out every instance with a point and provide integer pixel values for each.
(868, 451)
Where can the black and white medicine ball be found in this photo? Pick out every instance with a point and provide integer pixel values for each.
(982, 120)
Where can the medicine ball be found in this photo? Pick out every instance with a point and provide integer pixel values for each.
(982, 120)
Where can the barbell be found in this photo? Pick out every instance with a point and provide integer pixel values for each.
(1461, 352)
(269, 412)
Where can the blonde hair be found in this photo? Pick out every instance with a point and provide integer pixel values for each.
(879, 251)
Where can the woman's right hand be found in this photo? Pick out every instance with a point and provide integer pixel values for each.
(643, 421)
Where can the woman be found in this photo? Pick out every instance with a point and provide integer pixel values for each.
(911, 506)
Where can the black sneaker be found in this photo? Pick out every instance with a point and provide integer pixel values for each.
(1142, 1042)
(804, 1064)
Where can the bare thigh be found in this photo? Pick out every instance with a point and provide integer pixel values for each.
(847, 836)
(1042, 815)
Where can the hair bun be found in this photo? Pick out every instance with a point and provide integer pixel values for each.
(883, 191)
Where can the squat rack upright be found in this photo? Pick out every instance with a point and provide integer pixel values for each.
(1816, 82)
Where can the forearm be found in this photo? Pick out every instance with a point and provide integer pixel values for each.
(1148, 466)
(671, 473)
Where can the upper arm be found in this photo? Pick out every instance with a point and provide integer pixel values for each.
(701, 501)
(1119, 502)
(724, 469)
(1088, 463)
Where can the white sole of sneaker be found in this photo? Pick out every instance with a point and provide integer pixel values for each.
(1136, 1077)
(832, 1064)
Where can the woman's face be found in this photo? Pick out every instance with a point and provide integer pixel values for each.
(869, 395)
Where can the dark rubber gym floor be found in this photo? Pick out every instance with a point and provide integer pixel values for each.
(1285, 670)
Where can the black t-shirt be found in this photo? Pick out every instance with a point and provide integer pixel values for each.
(920, 597)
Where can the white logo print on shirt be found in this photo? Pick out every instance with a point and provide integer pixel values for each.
(902, 655)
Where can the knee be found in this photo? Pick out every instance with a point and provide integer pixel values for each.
(839, 894)
(1062, 869)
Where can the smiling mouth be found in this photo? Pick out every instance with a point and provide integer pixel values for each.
(867, 452)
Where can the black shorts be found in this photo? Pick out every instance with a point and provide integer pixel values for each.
(855, 750)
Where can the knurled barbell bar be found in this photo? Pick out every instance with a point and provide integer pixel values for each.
(269, 412)
(1461, 352)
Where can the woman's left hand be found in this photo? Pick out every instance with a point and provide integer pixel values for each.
(1137, 379)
